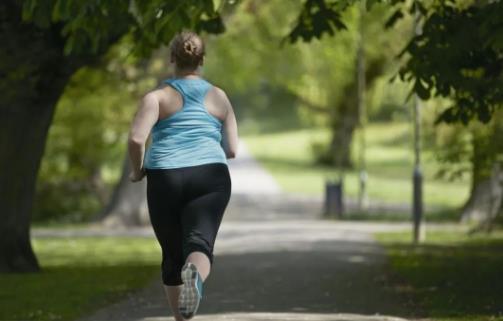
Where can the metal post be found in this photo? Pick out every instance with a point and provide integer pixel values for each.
(417, 209)
(417, 181)
(362, 177)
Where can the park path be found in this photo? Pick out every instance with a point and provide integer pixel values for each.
(275, 260)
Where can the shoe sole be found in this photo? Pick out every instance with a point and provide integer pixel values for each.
(189, 296)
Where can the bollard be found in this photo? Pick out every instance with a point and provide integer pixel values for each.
(334, 205)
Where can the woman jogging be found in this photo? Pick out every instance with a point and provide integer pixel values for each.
(194, 132)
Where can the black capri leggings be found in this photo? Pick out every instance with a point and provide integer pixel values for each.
(186, 206)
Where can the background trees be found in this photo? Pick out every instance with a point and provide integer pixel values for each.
(458, 56)
(47, 43)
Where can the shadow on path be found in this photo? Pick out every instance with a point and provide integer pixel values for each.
(312, 271)
(275, 260)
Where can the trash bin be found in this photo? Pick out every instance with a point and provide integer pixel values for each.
(334, 204)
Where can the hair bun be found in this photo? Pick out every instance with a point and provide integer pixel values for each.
(189, 48)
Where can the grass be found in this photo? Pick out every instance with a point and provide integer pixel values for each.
(79, 275)
(452, 276)
(389, 162)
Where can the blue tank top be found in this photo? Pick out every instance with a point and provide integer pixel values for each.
(191, 136)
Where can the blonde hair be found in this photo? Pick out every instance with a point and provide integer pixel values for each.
(188, 49)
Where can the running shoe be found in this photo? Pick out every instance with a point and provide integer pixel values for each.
(192, 291)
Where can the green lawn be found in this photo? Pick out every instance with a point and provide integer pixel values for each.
(78, 275)
(452, 276)
(288, 156)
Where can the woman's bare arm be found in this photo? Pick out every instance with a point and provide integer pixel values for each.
(145, 118)
(229, 128)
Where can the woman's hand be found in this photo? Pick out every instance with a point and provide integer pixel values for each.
(136, 176)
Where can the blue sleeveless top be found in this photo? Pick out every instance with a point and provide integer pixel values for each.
(191, 136)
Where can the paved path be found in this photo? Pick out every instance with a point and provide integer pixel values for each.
(275, 260)
(249, 177)
(282, 270)
(257, 196)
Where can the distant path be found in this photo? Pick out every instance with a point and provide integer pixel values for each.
(248, 176)
(256, 196)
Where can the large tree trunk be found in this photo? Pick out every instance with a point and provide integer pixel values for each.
(345, 118)
(22, 139)
(343, 125)
(128, 205)
(485, 201)
(486, 192)
(33, 75)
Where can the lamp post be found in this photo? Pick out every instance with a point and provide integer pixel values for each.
(417, 180)
(362, 117)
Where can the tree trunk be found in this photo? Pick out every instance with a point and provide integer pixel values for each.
(128, 205)
(33, 73)
(485, 201)
(343, 127)
(486, 193)
(345, 117)
(22, 139)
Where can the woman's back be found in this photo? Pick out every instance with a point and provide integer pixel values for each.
(194, 131)
(186, 134)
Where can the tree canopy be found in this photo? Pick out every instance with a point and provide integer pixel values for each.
(458, 54)
(90, 26)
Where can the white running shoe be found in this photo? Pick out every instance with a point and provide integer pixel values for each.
(192, 291)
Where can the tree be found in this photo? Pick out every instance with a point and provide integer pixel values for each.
(44, 43)
(83, 146)
(475, 150)
(458, 56)
(128, 204)
(317, 78)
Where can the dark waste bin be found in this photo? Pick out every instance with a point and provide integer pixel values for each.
(334, 204)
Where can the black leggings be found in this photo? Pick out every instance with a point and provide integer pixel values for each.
(186, 206)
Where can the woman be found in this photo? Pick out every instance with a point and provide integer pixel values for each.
(194, 132)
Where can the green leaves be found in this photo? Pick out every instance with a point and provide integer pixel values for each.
(91, 26)
(459, 53)
(316, 18)
(158, 21)
(392, 20)
(421, 90)
(213, 25)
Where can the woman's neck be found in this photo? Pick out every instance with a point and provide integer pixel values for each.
(187, 74)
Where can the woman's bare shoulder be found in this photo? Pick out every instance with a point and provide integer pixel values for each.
(218, 94)
(165, 93)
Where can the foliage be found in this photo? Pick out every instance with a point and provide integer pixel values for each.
(467, 150)
(459, 53)
(279, 87)
(337, 81)
(89, 27)
(251, 66)
(87, 137)
(87, 140)
(318, 17)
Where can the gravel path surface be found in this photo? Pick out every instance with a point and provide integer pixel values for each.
(274, 260)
